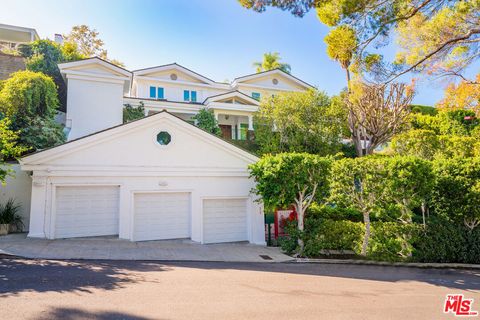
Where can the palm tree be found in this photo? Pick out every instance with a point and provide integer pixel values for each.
(271, 60)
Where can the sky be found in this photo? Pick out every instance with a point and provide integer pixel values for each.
(216, 38)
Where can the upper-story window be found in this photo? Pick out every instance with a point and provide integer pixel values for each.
(157, 93)
(190, 95)
(256, 95)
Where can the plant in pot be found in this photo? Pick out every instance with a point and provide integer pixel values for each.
(9, 217)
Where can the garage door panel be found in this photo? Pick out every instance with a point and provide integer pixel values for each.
(161, 216)
(224, 220)
(84, 211)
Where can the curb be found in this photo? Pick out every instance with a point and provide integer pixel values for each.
(391, 264)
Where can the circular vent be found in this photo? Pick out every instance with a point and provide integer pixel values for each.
(173, 76)
(275, 81)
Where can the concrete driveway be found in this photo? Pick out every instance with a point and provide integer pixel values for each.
(118, 249)
(73, 290)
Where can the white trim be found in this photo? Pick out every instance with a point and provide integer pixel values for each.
(95, 60)
(232, 107)
(231, 94)
(238, 80)
(256, 86)
(180, 82)
(91, 77)
(174, 66)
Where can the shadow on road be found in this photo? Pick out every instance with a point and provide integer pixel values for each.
(77, 314)
(21, 275)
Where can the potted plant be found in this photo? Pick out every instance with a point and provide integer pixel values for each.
(9, 216)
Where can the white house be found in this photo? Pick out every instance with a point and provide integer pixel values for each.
(96, 87)
(159, 177)
(155, 178)
(12, 36)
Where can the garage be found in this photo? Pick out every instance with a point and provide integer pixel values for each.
(155, 178)
(86, 211)
(160, 216)
(224, 220)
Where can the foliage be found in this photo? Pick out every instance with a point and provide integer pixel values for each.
(301, 122)
(332, 212)
(376, 113)
(443, 241)
(205, 119)
(133, 113)
(9, 214)
(28, 93)
(428, 110)
(288, 179)
(417, 142)
(9, 147)
(271, 61)
(341, 43)
(465, 95)
(392, 241)
(446, 123)
(30, 100)
(436, 37)
(456, 193)
(88, 43)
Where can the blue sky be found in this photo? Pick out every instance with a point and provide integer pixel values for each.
(217, 38)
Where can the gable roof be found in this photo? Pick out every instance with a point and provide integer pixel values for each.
(178, 67)
(109, 133)
(231, 94)
(269, 72)
(64, 67)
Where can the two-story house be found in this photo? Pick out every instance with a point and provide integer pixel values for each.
(96, 86)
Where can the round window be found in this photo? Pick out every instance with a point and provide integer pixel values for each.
(164, 138)
(173, 76)
(275, 81)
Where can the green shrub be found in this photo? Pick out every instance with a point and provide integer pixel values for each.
(444, 241)
(133, 113)
(392, 241)
(334, 212)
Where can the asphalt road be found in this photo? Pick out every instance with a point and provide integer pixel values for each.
(45, 289)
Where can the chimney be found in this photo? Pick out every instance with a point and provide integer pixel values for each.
(58, 38)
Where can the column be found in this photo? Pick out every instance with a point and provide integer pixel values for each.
(250, 122)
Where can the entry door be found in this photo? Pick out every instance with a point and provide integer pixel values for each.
(224, 220)
(161, 216)
(226, 131)
(86, 211)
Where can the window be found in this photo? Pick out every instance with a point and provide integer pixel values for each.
(160, 93)
(153, 92)
(157, 93)
(243, 131)
(164, 138)
(190, 95)
(256, 95)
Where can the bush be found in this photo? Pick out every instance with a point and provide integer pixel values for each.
(392, 241)
(133, 113)
(333, 213)
(444, 241)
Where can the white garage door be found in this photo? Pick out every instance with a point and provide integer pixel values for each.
(224, 220)
(161, 216)
(86, 211)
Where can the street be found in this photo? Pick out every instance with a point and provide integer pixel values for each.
(48, 289)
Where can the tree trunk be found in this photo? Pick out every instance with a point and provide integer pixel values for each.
(423, 213)
(301, 226)
(366, 237)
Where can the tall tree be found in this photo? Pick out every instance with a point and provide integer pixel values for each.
(462, 96)
(341, 44)
(435, 36)
(88, 43)
(271, 60)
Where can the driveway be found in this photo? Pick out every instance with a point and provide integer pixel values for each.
(118, 249)
(71, 290)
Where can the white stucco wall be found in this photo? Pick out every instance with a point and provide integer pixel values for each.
(93, 106)
(19, 187)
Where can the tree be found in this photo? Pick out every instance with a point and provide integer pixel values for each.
(288, 179)
(341, 44)
(30, 100)
(376, 113)
(9, 147)
(435, 36)
(359, 184)
(271, 61)
(464, 96)
(133, 113)
(206, 120)
(300, 122)
(88, 43)
(417, 142)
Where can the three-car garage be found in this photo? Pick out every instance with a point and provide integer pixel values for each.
(123, 182)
